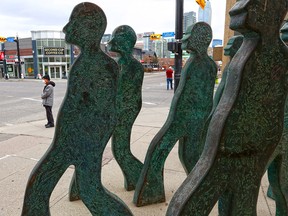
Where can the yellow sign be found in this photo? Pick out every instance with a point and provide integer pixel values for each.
(30, 70)
(202, 3)
(155, 36)
(2, 39)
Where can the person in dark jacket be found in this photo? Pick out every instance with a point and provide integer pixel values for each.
(47, 100)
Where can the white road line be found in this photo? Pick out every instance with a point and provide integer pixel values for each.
(6, 156)
(34, 159)
(148, 103)
(31, 99)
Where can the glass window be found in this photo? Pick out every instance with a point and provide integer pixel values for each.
(57, 43)
(45, 59)
(51, 59)
(43, 34)
(39, 43)
(40, 51)
(50, 34)
(45, 43)
(57, 59)
(50, 43)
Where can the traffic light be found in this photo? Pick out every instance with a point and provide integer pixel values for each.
(155, 36)
(2, 39)
(202, 3)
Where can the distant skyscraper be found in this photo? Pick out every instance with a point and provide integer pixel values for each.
(206, 14)
(189, 18)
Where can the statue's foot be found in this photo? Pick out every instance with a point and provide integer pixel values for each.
(149, 192)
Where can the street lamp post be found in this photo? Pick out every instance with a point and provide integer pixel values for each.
(18, 54)
(178, 37)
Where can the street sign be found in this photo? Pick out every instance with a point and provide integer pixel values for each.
(2, 39)
(155, 36)
(10, 39)
(168, 34)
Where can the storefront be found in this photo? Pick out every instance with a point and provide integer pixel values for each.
(46, 52)
(51, 54)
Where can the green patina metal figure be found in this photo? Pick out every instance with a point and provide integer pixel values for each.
(230, 50)
(85, 122)
(191, 105)
(247, 124)
(278, 167)
(129, 102)
(190, 149)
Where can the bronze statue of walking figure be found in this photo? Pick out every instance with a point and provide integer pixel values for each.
(190, 107)
(129, 102)
(85, 122)
(247, 124)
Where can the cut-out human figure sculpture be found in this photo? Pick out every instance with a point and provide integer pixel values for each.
(247, 124)
(85, 122)
(233, 45)
(277, 170)
(129, 102)
(191, 104)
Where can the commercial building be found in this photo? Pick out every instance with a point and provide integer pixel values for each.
(189, 18)
(46, 52)
(205, 15)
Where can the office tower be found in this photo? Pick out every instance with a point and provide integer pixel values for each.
(189, 18)
(206, 14)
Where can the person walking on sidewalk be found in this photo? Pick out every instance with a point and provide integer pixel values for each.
(47, 99)
(169, 76)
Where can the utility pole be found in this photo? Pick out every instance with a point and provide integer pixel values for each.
(178, 37)
(18, 54)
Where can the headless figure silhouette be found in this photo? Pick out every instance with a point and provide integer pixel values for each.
(247, 124)
(85, 122)
(129, 102)
(191, 105)
(277, 170)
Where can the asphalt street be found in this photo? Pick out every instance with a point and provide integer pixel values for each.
(20, 99)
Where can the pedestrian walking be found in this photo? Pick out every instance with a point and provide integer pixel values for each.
(169, 77)
(47, 99)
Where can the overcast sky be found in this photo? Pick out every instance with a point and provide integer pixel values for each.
(20, 17)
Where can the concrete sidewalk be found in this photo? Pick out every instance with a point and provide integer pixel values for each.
(22, 145)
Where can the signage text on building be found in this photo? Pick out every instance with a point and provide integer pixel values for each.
(54, 51)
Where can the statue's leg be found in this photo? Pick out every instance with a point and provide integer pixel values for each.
(97, 199)
(241, 198)
(191, 146)
(41, 183)
(129, 164)
(277, 185)
(150, 186)
(200, 191)
(225, 202)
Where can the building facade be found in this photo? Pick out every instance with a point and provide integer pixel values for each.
(189, 18)
(206, 14)
(51, 54)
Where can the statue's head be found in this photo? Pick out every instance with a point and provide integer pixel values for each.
(261, 16)
(86, 25)
(123, 39)
(197, 38)
(233, 45)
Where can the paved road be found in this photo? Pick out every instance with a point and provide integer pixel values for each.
(20, 99)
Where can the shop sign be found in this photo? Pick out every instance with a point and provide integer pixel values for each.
(54, 51)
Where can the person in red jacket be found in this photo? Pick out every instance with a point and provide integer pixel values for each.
(169, 76)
